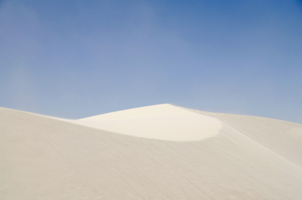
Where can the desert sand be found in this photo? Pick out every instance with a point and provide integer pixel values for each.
(163, 122)
(154, 152)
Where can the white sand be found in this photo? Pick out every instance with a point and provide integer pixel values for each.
(163, 122)
(50, 159)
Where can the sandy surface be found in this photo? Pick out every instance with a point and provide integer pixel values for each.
(163, 122)
(242, 158)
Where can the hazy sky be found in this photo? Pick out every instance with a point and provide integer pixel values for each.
(79, 58)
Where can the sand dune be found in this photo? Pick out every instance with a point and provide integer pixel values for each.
(214, 156)
(163, 122)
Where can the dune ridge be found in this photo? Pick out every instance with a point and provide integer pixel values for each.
(163, 122)
(246, 158)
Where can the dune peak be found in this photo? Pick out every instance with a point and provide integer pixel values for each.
(162, 122)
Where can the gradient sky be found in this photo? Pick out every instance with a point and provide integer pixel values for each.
(74, 59)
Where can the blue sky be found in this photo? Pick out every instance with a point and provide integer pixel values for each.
(79, 58)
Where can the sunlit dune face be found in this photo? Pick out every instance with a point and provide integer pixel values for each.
(162, 122)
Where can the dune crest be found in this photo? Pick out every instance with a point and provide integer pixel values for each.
(162, 122)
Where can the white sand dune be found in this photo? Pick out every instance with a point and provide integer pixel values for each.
(163, 122)
(214, 156)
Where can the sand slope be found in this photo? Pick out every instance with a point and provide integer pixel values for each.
(46, 158)
(163, 122)
(284, 138)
